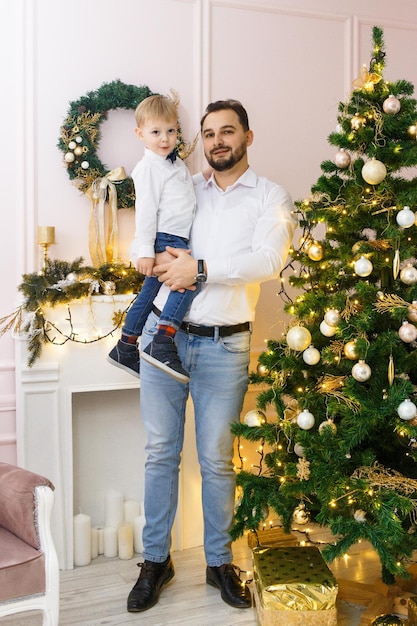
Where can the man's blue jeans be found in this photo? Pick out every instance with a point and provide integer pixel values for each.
(218, 382)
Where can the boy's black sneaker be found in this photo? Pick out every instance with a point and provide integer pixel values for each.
(125, 356)
(162, 352)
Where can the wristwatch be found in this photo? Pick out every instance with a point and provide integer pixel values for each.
(201, 274)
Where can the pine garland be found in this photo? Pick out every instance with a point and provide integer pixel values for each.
(62, 282)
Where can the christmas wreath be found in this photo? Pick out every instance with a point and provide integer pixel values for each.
(80, 136)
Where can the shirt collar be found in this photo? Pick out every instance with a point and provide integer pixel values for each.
(248, 179)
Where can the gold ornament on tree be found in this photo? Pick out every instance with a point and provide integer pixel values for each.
(374, 172)
(391, 370)
(315, 251)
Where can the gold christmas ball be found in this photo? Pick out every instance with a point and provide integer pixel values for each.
(357, 122)
(78, 151)
(262, 370)
(412, 130)
(328, 424)
(315, 251)
(374, 172)
(387, 620)
(412, 311)
(298, 338)
(350, 350)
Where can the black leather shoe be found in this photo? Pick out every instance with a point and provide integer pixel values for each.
(232, 590)
(146, 592)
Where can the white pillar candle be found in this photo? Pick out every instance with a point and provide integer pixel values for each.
(110, 541)
(82, 539)
(101, 540)
(138, 525)
(114, 508)
(94, 543)
(125, 541)
(131, 510)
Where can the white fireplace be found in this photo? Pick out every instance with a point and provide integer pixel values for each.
(78, 423)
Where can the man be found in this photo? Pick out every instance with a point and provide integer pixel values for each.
(240, 236)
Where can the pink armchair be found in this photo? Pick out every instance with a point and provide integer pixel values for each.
(29, 571)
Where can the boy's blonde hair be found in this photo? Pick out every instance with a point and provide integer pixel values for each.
(156, 108)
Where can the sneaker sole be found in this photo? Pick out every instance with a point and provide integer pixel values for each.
(181, 378)
(123, 367)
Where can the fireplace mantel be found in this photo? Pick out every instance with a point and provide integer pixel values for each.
(44, 417)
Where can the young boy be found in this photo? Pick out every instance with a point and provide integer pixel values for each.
(165, 206)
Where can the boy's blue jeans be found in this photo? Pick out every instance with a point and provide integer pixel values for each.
(176, 305)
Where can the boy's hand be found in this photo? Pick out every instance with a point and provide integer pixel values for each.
(145, 265)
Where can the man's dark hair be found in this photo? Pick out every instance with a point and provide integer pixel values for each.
(234, 105)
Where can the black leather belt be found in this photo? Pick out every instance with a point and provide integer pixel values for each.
(209, 331)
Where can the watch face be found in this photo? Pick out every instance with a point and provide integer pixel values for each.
(201, 278)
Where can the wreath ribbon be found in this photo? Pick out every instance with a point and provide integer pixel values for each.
(103, 238)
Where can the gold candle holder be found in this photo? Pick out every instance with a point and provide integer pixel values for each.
(46, 237)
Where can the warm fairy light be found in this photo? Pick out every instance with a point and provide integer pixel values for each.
(387, 260)
(370, 492)
(282, 479)
(279, 447)
(333, 504)
(300, 389)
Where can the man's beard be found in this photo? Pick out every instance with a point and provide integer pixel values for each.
(227, 162)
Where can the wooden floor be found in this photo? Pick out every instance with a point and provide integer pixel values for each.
(96, 594)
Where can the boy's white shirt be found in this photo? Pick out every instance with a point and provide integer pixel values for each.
(165, 202)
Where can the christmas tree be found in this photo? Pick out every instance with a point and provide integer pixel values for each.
(342, 443)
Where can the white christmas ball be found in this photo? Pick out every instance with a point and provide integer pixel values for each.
(311, 356)
(85, 165)
(374, 172)
(298, 338)
(72, 145)
(408, 274)
(328, 424)
(71, 277)
(254, 418)
(79, 139)
(332, 317)
(391, 105)
(69, 157)
(361, 371)
(405, 218)
(305, 420)
(363, 267)
(342, 159)
(327, 330)
(407, 332)
(407, 410)
(298, 449)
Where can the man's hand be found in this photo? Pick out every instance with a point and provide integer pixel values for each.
(180, 273)
(144, 265)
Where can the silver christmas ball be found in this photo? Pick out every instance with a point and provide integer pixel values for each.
(327, 330)
(407, 410)
(254, 418)
(311, 356)
(408, 274)
(332, 317)
(298, 449)
(363, 267)
(391, 105)
(361, 371)
(305, 420)
(405, 218)
(407, 332)
(342, 159)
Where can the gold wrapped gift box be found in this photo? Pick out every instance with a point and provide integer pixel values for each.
(294, 586)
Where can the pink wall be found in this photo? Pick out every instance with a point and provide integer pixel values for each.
(289, 62)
